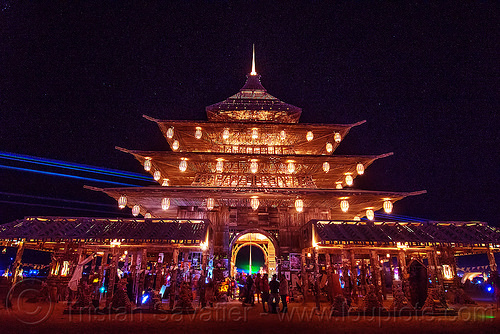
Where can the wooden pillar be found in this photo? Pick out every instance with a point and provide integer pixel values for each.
(17, 262)
(112, 274)
(403, 272)
(305, 281)
(316, 277)
(375, 271)
(493, 263)
(354, 276)
(173, 279)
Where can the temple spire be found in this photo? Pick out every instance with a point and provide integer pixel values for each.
(253, 62)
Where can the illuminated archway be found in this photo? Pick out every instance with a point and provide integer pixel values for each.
(257, 238)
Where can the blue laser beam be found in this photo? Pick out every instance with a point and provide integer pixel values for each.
(73, 166)
(66, 175)
(56, 199)
(65, 207)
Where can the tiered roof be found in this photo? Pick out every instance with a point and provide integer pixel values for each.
(253, 147)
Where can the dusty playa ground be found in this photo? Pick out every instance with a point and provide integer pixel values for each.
(232, 317)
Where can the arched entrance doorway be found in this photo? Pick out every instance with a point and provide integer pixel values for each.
(259, 239)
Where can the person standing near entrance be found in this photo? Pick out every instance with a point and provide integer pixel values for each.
(258, 286)
(265, 292)
(274, 286)
(284, 293)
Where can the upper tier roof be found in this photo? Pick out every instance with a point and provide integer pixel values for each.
(240, 136)
(253, 103)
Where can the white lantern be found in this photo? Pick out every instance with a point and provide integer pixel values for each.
(136, 209)
(282, 135)
(157, 175)
(147, 164)
(225, 134)
(165, 183)
(348, 179)
(254, 203)
(344, 205)
(299, 205)
(291, 167)
(254, 166)
(309, 136)
(219, 167)
(175, 145)
(165, 203)
(122, 201)
(170, 132)
(337, 137)
(198, 133)
(147, 215)
(388, 206)
(356, 219)
(255, 133)
(210, 203)
(338, 185)
(370, 214)
(183, 165)
(329, 147)
(326, 167)
(360, 169)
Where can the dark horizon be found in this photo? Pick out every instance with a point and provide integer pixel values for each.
(75, 80)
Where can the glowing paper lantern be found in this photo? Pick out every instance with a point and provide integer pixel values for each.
(326, 167)
(370, 214)
(291, 167)
(157, 175)
(309, 136)
(356, 218)
(299, 205)
(175, 145)
(198, 133)
(255, 133)
(183, 165)
(170, 132)
(337, 137)
(338, 185)
(348, 179)
(329, 147)
(344, 205)
(225, 134)
(165, 183)
(388, 206)
(136, 209)
(147, 165)
(360, 169)
(165, 203)
(219, 167)
(282, 135)
(122, 201)
(210, 203)
(254, 166)
(254, 203)
(147, 215)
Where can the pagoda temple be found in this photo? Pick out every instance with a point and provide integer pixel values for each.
(252, 174)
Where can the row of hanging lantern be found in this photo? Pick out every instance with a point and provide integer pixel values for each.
(254, 167)
(337, 137)
(254, 204)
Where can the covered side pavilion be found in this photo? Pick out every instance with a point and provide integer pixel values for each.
(135, 246)
(378, 253)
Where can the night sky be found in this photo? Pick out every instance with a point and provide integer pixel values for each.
(75, 80)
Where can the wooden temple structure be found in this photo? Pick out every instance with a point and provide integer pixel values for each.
(253, 169)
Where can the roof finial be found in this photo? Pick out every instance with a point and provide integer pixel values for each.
(253, 62)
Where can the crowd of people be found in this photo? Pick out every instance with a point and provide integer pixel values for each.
(267, 292)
